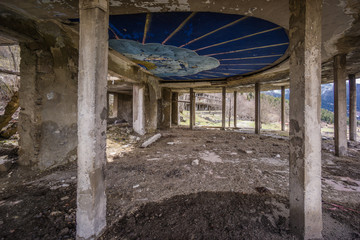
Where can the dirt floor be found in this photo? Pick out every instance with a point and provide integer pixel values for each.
(201, 184)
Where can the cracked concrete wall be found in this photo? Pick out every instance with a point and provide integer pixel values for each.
(48, 101)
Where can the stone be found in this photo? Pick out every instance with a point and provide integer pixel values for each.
(245, 151)
(5, 163)
(195, 162)
(55, 213)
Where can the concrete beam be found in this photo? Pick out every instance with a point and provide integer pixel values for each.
(340, 121)
(138, 109)
(93, 66)
(223, 108)
(192, 108)
(257, 109)
(175, 109)
(352, 107)
(282, 108)
(305, 136)
(235, 106)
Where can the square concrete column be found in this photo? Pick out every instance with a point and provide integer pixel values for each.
(92, 113)
(257, 109)
(151, 109)
(235, 106)
(166, 108)
(282, 108)
(352, 107)
(192, 108)
(138, 109)
(305, 136)
(340, 120)
(175, 109)
(223, 108)
(115, 105)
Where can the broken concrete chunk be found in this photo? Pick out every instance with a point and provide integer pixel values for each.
(151, 140)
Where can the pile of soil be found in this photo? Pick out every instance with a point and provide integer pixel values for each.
(206, 215)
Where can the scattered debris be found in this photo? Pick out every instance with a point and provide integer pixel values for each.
(195, 162)
(170, 143)
(245, 151)
(151, 140)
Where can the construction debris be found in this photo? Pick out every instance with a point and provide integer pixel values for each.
(151, 140)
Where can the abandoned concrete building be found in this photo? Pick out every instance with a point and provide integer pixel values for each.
(79, 58)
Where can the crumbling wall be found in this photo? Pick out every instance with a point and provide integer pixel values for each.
(48, 101)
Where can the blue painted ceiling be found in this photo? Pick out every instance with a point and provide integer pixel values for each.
(194, 46)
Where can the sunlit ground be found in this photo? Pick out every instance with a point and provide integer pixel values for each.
(213, 119)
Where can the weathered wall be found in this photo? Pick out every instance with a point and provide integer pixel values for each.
(48, 101)
(125, 108)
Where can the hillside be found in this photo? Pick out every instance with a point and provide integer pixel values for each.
(327, 96)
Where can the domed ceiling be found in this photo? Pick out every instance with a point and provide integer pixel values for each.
(197, 45)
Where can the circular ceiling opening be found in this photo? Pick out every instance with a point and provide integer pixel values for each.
(178, 46)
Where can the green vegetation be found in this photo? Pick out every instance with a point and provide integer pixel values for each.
(327, 116)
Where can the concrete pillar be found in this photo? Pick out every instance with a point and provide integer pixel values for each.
(93, 66)
(166, 108)
(115, 105)
(352, 107)
(192, 108)
(340, 120)
(282, 108)
(138, 109)
(257, 109)
(235, 106)
(305, 137)
(175, 109)
(223, 108)
(151, 109)
(107, 105)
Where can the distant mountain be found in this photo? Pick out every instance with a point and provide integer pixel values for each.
(327, 96)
